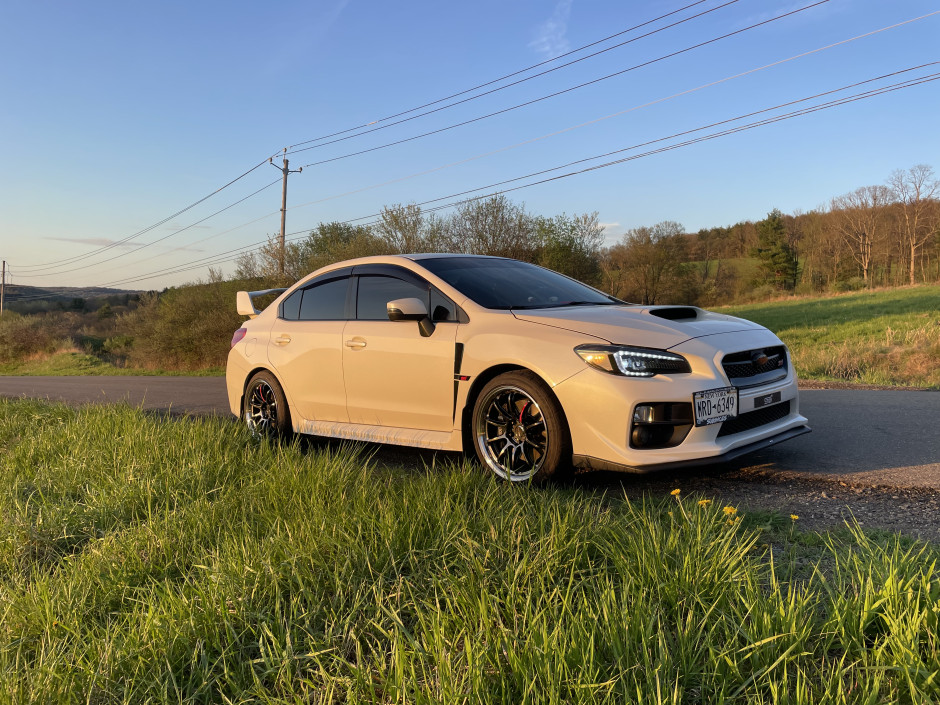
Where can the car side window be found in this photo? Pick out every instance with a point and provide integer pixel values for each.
(290, 307)
(375, 291)
(442, 308)
(325, 302)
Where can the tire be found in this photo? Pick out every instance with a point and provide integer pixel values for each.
(532, 447)
(264, 408)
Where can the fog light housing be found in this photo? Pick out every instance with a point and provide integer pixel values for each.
(660, 424)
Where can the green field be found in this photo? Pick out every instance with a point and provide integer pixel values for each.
(889, 337)
(147, 560)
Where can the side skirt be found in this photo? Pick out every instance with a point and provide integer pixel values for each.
(419, 438)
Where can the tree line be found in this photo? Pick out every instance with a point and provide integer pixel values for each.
(879, 235)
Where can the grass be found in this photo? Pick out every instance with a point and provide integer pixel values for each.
(76, 363)
(151, 560)
(889, 337)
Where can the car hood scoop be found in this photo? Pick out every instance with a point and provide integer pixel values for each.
(647, 326)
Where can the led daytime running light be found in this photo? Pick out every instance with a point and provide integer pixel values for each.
(632, 362)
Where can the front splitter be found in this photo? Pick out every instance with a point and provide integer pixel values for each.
(589, 463)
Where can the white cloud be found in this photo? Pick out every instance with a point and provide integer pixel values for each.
(609, 225)
(550, 40)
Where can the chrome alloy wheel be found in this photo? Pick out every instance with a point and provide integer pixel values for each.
(261, 409)
(511, 433)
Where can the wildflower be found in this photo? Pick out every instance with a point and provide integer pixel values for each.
(730, 511)
(675, 492)
(670, 513)
(704, 502)
(794, 517)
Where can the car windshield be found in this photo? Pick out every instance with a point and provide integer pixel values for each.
(510, 284)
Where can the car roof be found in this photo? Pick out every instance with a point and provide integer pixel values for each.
(447, 255)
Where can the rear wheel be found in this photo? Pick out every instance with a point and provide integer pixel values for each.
(519, 430)
(265, 408)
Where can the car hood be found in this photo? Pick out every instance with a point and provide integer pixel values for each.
(648, 326)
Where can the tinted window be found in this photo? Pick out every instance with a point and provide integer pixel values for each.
(290, 309)
(376, 291)
(325, 302)
(506, 283)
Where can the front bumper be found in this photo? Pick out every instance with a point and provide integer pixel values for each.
(589, 463)
(599, 408)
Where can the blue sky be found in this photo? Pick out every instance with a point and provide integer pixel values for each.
(116, 115)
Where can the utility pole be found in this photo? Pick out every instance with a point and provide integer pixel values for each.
(285, 171)
(3, 285)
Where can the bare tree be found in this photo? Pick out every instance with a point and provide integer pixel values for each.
(860, 217)
(650, 259)
(914, 190)
(493, 226)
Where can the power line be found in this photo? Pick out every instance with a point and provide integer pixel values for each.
(675, 135)
(607, 117)
(152, 242)
(516, 83)
(231, 255)
(72, 260)
(501, 78)
(561, 92)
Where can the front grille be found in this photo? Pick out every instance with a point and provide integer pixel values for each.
(744, 369)
(754, 419)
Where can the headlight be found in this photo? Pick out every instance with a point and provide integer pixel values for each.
(632, 362)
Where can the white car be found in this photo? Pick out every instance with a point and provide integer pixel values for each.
(533, 370)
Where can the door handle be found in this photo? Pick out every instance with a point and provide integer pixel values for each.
(356, 343)
(282, 340)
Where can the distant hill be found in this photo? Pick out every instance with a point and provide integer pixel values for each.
(17, 292)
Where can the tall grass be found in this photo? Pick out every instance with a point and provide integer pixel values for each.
(150, 560)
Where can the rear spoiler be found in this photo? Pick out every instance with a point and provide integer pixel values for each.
(245, 304)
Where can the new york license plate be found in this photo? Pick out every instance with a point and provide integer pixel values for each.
(715, 405)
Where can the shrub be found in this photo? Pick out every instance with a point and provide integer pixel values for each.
(24, 336)
(185, 328)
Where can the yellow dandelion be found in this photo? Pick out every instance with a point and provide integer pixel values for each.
(675, 492)
(794, 517)
(670, 513)
(704, 502)
(730, 510)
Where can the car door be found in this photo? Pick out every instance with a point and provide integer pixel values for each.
(394, 377)
(306, 347)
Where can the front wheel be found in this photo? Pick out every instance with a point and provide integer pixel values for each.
(519, 430)
(265, 408)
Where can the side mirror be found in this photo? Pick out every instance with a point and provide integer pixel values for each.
(411, 310)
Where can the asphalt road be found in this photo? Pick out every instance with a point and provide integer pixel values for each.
(861, 437)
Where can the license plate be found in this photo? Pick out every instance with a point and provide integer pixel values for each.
(715, 405)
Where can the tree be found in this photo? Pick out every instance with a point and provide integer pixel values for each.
(651, 262)
(776, 257)
(860, 217)
(914, 190)
(405, 229)
(493, 226)
(570, 245)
